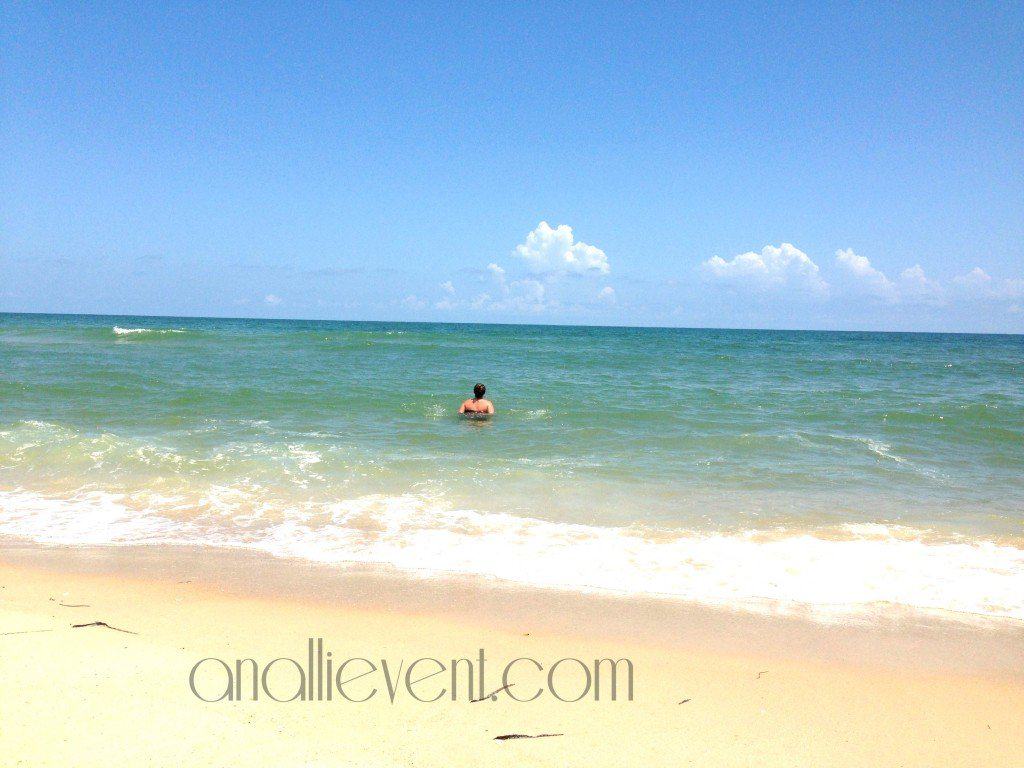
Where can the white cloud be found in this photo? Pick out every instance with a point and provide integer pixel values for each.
(539, 278)
(915, 285)
(978, 284)
(272, 300)
(774, 268)
(548, 250)
(976, 280)
(873, 280)
(527, 295)
(499, 276)
(448, 300)
(414, 302)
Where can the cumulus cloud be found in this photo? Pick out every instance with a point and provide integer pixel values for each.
(915, 285)
(788, 269)
(524, 295)
(774, 268)
(272, 300)
(874, 281)
(555, 250)
(977, 280)
(1012, 289)
(448, 300)
(412, 301)
(978, 284)
(538, 280)
(530, 293)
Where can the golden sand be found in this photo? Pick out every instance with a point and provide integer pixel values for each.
(711, 688)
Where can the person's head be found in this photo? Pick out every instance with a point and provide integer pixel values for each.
(479, 390)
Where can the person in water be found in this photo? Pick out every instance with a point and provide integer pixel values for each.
(477, 406)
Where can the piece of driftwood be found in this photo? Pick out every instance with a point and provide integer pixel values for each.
(103, 624)
(507, 736)
(495, 693)
(765, 672)
(74, 605)
(685, 700)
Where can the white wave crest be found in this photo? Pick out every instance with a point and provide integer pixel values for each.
(868, 570)
(119, 331)
(884, 450)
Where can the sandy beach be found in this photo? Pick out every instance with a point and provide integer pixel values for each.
(711, 688)
(468, 385)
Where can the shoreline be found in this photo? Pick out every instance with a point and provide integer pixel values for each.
(843, 573)
(900, 638)
(712, 687)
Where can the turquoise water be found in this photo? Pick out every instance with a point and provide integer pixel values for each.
(339, 441)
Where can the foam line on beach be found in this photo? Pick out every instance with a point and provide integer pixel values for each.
(850, 573)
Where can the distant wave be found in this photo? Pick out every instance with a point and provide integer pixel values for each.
(849, 573)
(884, 450)
(119, 331)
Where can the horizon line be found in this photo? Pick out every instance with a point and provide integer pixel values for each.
(516, 324)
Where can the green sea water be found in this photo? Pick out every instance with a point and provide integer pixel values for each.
(339, 441)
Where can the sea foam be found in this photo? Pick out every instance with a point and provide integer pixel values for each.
(119, 331)
(852, 573)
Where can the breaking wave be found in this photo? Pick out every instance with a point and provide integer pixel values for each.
(851, 572)
(119, 331)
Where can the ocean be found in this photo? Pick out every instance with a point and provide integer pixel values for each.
(834, 475)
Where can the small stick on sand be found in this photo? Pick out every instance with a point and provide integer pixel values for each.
(507, 736)
(26, 631)
(74, 605)
(103, 624)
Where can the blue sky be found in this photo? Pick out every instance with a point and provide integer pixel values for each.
(808, 166)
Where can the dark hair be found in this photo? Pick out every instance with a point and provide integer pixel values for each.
(478, 391)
